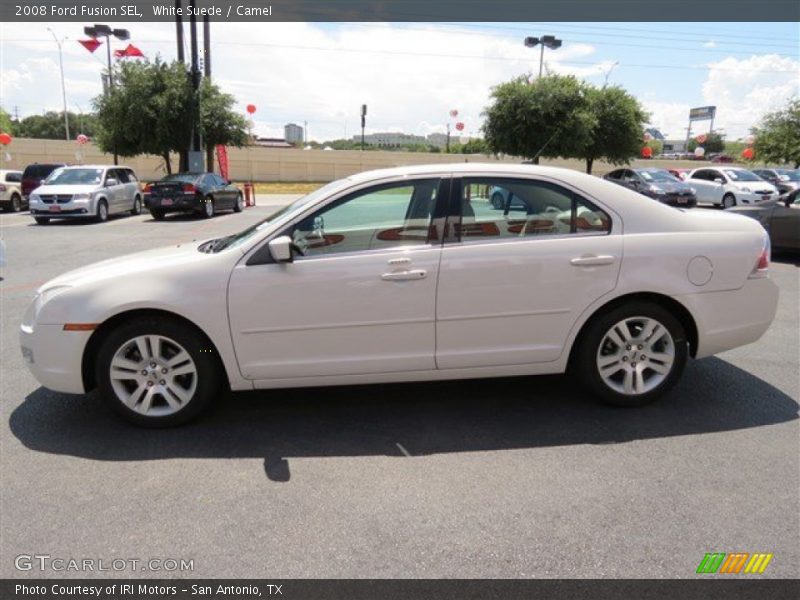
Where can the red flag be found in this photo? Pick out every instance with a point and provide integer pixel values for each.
(119, 54)
(91, 45)
(132, 50)
(222, 160)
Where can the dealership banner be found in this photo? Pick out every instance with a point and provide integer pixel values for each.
(402, 10)
(222, 160)
(404, 589)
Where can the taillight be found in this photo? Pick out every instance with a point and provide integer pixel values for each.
(148, 188)
(189, 188)
(2, 188)
(762, 264)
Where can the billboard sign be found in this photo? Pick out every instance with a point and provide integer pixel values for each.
(702, 113)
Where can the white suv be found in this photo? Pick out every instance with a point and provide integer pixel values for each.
(729, 186)
(88, 191)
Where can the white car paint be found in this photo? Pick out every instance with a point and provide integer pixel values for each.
(714, 184)
(472, 308)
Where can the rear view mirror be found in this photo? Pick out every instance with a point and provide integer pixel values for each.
(111, 182)
(281, 249)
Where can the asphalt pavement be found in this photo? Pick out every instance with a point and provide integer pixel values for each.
(495, 478)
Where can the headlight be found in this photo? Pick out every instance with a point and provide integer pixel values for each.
(745, 189)
(34, 198)
(657, 190)
(38, 302)
(82, 197)
(693, 191)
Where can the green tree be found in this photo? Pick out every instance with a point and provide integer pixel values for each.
(778, 136)
(6, 124)
(476, 146)
(50, 125)
(619, 120)
(219, 124)
(714, 143)
(547, 117)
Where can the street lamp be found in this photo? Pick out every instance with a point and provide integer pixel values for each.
(546, 40)
(63, 89)
(106, 32)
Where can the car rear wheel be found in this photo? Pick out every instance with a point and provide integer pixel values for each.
(208, 207)
(158, 215)
(102, 212)
(41, 220)
(137, 206)
(497, 201)
(632, 354)
(157, 372)
(16, 203)
(239, 204)
(728, 201)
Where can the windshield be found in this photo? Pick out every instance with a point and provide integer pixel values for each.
(238, 238)
(788, 174)
(742, 175)
(658, 175)
(75, 177)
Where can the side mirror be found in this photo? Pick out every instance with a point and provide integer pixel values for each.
(281, 249)
(111, 182)
(719, 180)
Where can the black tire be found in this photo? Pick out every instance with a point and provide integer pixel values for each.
(239, 204)
(207, 366)
(497, 201)
(102, 212)
(588, 350)
(41, 220)
(157, 215)
(207, 209)
(16, 203)
(728, 201)
(137, 206)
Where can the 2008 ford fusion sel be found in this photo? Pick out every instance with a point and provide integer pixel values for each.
(412, 274)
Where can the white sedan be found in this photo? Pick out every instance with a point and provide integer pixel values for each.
(412, 274)
(730, 186)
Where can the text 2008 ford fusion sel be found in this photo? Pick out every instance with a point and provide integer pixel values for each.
(412, 274)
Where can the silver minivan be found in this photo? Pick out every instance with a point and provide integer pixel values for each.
(86, 191)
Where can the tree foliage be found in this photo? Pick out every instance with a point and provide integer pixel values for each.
(778, 136)
(619, 121)
(714, 143)
(151, 109)
(50, 125)
(548, 117)
(6, 125)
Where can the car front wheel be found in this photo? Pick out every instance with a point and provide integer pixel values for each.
(157, 372)
(632, 354)
(728, 201)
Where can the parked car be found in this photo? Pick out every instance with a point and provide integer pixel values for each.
(11, 191)
(722, 158)
(201, 193)
(34, 175)
(729, 186)
(786, 180)
(86, 192)
(658, 184)
(781, 219)
(405, 274)
(680, 173)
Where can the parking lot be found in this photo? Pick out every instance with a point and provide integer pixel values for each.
(496, 478)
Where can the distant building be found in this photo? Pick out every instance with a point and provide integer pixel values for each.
(390, 139)
(272, 143)
(293, 133)
(674, 146)
(440, 139)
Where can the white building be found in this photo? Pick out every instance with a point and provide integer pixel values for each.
(293, 133)
(390, 139)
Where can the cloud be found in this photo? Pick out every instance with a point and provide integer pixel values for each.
(710, 44)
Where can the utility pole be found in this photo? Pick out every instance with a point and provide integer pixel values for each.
(207, 73)
(63, 89)
(363, 123)
(305, 132)
(195, 152)
(183, 157)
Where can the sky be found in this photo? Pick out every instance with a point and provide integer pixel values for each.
(412, 74)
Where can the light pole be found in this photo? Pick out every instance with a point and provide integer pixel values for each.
(546, 40)
(608, 73)
(63, 89)
(106, 32)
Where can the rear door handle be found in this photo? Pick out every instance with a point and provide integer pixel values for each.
(592, 261)
(405, 275)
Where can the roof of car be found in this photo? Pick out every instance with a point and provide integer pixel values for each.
(472, 167)
(97, 167)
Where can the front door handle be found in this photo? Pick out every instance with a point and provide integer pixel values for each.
(592, 261)
(405, 275)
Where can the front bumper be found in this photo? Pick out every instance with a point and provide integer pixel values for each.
(54, 356)
(732, 318)
(753, 198)
(68, 209)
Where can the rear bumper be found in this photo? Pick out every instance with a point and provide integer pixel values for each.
(178, 203)
(733, 318)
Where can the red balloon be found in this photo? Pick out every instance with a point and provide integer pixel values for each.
(5, 139)
(460, 126)
(701, 139)
(81, 139)
(647, 152)
(748, 154)
(251, 108)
